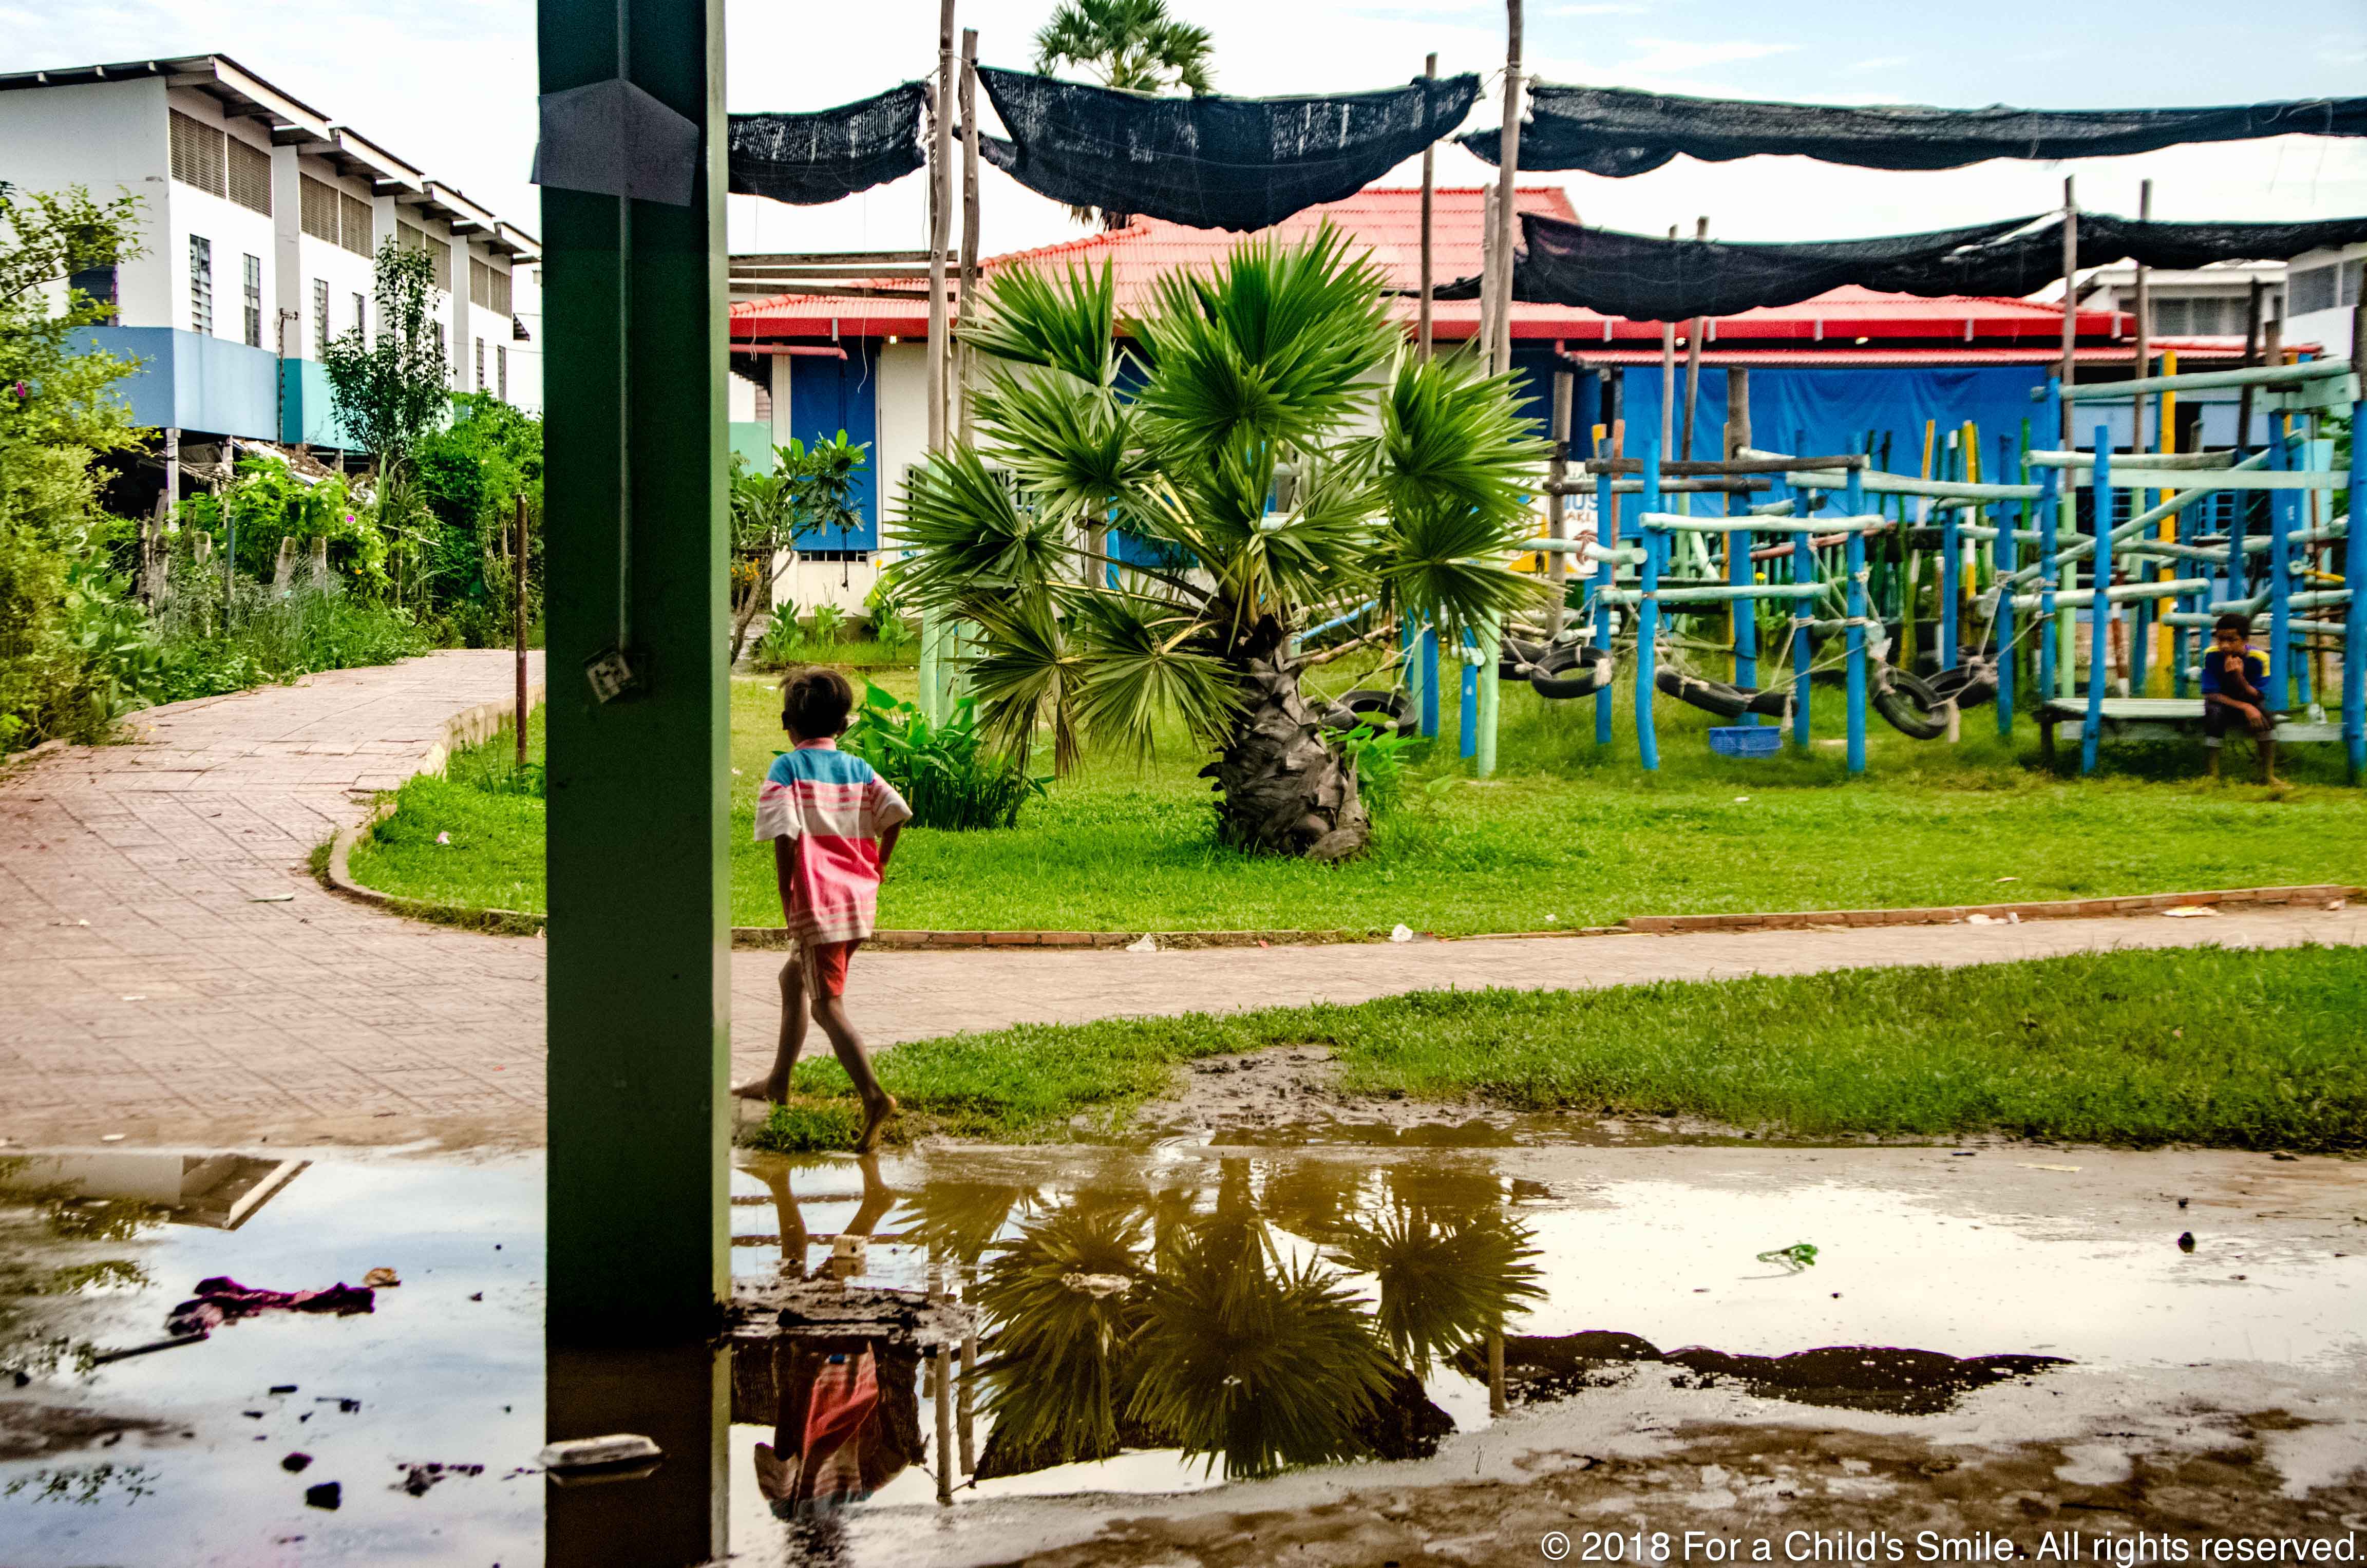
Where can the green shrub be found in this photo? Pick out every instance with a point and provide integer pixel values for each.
(777, 648)
(942, 770)
(829, 620)
(1380, 758)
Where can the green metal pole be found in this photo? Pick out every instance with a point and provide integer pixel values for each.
(639, 976)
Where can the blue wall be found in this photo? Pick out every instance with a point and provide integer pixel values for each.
(308, 413)
(209, 385)
(830, 396)
(1835, 408)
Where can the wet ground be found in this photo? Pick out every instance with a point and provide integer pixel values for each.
(1200, 1352)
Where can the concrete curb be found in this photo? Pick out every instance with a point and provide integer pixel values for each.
(1956, 914)
(469, 727)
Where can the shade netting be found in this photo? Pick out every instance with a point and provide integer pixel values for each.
(813, 158)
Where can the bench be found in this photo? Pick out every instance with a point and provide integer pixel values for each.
(2151, 719)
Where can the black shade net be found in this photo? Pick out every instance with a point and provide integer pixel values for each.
(1615, 131)
(1641, 277)
(1213, 162)
(813, 158)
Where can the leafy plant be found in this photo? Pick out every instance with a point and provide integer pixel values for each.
(1380, 758)
(809, 489)
(389, 393)
(777, 648)
(829, 620)
(1249, 451)
(944, 772)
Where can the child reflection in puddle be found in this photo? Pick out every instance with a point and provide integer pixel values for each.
(849, 1423)
(878, 1199)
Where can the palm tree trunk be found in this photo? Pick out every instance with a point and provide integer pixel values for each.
(1285, 790)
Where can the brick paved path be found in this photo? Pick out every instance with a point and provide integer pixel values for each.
(144, 990)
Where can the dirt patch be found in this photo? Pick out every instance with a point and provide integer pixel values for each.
(29, 1431)
(1751, 1484)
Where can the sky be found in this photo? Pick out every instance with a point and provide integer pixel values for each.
(449, 85)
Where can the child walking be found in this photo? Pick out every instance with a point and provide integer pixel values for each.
(834, 823)
(2235, 690)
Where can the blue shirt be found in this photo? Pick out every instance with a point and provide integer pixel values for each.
(2256, 670)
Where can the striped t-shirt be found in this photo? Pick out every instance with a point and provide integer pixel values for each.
(832, 808)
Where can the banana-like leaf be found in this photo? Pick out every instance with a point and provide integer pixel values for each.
(1035, 319)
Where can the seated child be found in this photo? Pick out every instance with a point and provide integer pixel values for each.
(2235, 690)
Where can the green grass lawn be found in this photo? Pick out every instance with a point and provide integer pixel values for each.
(2205, 1046)
(1566, 835)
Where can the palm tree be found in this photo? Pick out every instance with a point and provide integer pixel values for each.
(1133, 45)
(1281, 451)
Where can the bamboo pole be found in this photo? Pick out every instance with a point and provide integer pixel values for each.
(2070, 301)
(1565, 390)
(2144, 358)
(1500, 348)
(940, 220)
(1429, 201)
(1487, 278)
(2252, 357)
(968, 293)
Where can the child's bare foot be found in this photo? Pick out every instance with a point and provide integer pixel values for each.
(761, 1089)
(874, 1122)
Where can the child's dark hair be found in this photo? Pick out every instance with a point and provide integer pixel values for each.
(2235, 622)
(815, 702)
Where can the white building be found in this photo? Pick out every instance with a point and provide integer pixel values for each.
(2323, 290)
(259, 219)
(2206, 301)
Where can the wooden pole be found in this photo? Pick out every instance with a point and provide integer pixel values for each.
(968, 293)
(1500, 350)
(2253, 323)
(1669, 377)
(1429, 199)
(1487, 234)
(517, 571)
(940, 220)
(2070, 301)
(1693, 357)
(1565, 390)
(2144, 355)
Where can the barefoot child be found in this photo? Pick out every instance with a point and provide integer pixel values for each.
(2235, 691)
(834, 823)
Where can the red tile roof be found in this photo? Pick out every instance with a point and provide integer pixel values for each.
(1387, 221)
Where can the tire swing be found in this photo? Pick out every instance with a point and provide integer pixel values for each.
(1571, 670)
(1717, 696)
(1370, 705)
(1909, 703)
(1972, 682)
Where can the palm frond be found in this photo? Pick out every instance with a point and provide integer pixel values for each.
(1067, 325)
(1074, 448)
(1272, 347)
(1024, 676)
(967, 536)
(1140, 659)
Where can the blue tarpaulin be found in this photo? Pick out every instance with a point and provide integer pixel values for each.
(1832, 409)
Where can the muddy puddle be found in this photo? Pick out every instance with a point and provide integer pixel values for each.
(1375, 1351)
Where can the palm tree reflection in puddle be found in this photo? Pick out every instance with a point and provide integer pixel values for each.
(1145, 1322)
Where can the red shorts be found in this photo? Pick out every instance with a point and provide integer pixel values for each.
(825, 966)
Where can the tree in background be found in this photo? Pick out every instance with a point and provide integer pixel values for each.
(390, 393)
(1132, 45)
(468, 478)
(65, 628)
(1284, 447)
(809, 489)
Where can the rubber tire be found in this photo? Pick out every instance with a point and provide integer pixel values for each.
(1717, 696)
(1971, 683)
(1907, 703)
(1547, 681)
(1519, 656)
(1355, 707)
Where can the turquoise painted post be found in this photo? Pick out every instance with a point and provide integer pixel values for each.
(1606, 534)
(1856, 556)
(1738, 572)
(1491, 695)
(2050, 571)
(2009, 559)
(2100, 609)
(1803, 570)
(2283, 505)
(2354, 612)
(1952, 570)
(1429, 681)
(638, 969)
(1408, 645)
(930, 625)
(1648, 614)
(1468, 711)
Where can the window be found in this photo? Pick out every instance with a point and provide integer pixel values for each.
(2314, 289)
(480, 364)
(316, 207)
(201, 285)
(98, 282)
(2169, 318)
(2351, 274)
(438, 254)
(442, 349)
(255, 302)
(481, 283)
(500, 290)
(198, 156)
(354, 220)
(361, 317)
(320, 314)
(502, 371)
(250, 176)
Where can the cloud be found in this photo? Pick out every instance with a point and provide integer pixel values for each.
(1882, 62)
(1663, 56)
